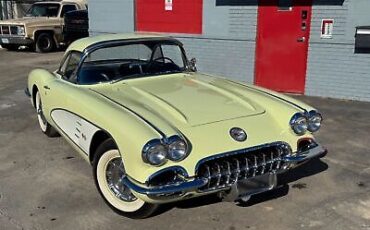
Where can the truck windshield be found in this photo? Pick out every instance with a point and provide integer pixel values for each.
(43, 10)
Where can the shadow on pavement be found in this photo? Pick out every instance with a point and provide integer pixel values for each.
(313, 167)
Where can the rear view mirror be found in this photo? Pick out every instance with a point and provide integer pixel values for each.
(193, 65)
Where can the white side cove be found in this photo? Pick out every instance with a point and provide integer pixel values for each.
(76, 128)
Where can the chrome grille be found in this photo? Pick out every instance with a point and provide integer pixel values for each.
(224, 170)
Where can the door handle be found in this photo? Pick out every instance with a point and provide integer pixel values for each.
(301, 39)
(46, 87)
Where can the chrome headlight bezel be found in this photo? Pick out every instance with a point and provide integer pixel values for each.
(299, 123)
(314, 121)
(149, 154)
(177, 149)
(166, 150)
(21, 31)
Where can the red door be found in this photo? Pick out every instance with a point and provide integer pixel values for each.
(282, 44)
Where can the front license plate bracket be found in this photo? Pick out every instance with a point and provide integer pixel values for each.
(251, 186)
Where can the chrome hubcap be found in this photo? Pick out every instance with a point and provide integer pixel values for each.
(115, 172)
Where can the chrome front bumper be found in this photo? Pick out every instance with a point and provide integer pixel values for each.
(15, 40)
(193, 185)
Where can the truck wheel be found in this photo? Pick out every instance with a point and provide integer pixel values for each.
(45, 43)
(10, 47)
(108, 170)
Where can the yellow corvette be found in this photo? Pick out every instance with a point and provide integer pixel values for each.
(156, 131)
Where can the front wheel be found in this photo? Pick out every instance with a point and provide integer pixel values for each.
(108, 170)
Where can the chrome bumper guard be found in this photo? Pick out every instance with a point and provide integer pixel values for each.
(316, 152)
(182, 188)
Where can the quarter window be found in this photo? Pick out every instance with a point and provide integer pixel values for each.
(70, 65)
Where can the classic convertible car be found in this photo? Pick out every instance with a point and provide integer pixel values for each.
(156, 131)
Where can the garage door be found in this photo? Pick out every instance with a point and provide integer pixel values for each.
(172, 16)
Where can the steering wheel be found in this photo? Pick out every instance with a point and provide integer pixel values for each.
(164, 58)
(105, 76)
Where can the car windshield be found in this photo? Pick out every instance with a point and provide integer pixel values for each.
(43, 10)
(133, 60)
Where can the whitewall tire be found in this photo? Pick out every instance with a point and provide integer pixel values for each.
(108, 170)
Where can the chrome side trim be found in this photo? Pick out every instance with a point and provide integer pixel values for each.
(77, 129)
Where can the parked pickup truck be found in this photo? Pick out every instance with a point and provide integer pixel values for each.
(42, 27)
(76, 25)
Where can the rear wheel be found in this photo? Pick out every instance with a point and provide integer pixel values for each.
(108, 170)
(45, 127)
(45, 43)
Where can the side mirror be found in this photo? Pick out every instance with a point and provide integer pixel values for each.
(193, 65)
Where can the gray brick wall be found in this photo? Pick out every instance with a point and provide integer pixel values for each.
(111, 16)
(233, 59)
(227, 45)
(334, 70)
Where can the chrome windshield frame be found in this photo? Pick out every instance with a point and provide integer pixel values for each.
(112, 43)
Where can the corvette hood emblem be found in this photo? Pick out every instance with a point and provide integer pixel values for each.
(238, 134)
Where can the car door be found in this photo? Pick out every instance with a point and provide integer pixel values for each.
(68, 104)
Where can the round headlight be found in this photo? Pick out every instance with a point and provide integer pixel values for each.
(177, 150)
(314, 121)
(299, 123)
(155, 153)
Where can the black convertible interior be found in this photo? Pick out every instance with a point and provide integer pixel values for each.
(97, 71)
(94, 72)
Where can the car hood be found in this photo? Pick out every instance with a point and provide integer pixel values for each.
(189, 99)
(24, 20)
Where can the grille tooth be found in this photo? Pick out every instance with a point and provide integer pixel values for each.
(247, 168)
(237, 170)
(218, 174)
(224, 171)
(271, 161)
(228, 172)
(263, 163)
(255, 166)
